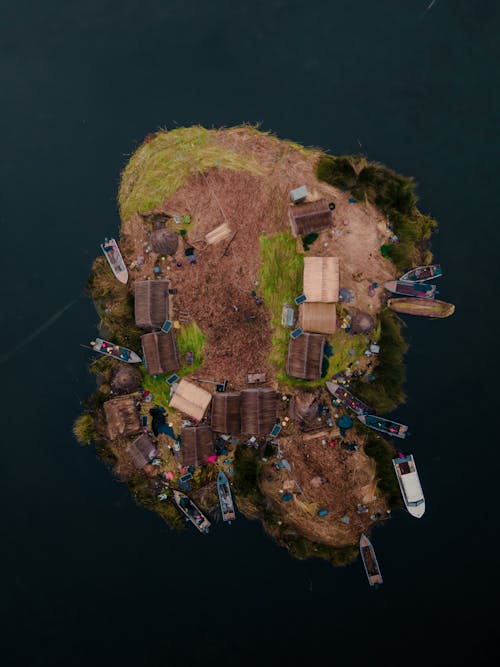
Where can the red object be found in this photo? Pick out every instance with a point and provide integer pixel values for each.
(332, 443)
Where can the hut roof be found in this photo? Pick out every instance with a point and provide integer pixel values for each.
(191, 400)
(125, 379)
(165, 241)
(197, 444)
(122, 418)
(361, 323)
(321, 279)
(141, 451)
(305, 356)
(160, 352)
(309, 217)
(258, 410)
(318, 317)
(151, 303)
(226, 413)
(304, 405)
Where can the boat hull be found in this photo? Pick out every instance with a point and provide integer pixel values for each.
(422, 273)
(118, 352)
(411, 289)
(370, 561)
(347, 398)
(409, 485)
(191, 512)
(421, 307)
(393, 429)
(225, 498)
(115, 260)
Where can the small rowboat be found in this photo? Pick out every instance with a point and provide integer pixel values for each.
(347, 398)
(115, 260)
(383, 425)
(191, 512)
(409, 483)
(116, 351)
(422, 273)
(422, 307)
(407, 288)
(370, 561)
(225, 498)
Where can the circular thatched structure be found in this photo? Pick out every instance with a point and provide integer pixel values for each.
(165, 241)
(125, 379)
(362, 323)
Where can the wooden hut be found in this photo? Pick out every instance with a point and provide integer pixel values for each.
(197, 445)
(321, 279)
(318, 317)
(151, 303)
(122, 417)
(165, 241)
(141, 451)
(309, 217)
(160, 352)
(226, 413)
(305, 356)
(125, 379)
(258, 411)
(191, 400)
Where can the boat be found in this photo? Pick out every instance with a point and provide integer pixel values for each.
(116, 351)
(115, 260)
(408, 288)
(422, 273)
(409, 483)
(370, 561)
(191, 512)
(422, 307)
(347, 398)
(225, 498)
(384, 425)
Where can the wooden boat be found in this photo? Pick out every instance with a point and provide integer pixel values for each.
(422, 273)
(383, 425)
(422, 307)
(191, 512)
(347, 398)
(370, 562)
(409, 483)
(116, 351)
(115, 260)
(408, 288)
(225, 498)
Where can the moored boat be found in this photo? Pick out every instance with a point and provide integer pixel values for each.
(370, 561)
(407, 288)
(384, 425)
(115, 260)
(422, 273)
(422, 307)
(191, 511)
(347, 398)
(225, 498)
(409, 483)
(116, 351)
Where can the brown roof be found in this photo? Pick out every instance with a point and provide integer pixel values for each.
(361, 323)
(318, 317)
(226, 413)
(321, 279)
(309, 217)
(305, 356)
(165, 241)
(197, 444)
(141, 451)
(160, 352)
(151, 303)
(122, 418)
(191, 400)
(258, 410)
(125, 379)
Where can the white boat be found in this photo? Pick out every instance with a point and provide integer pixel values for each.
(409, 483)
(191, 511)
(116, 351)
(115, 260)
(225, 498)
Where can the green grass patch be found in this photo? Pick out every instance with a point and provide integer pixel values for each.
(191, 338)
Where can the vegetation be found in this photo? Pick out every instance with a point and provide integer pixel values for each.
(302, 548)
(191, 338)
(381, 451)
(144, 495)
(308, 240)
(84, 429)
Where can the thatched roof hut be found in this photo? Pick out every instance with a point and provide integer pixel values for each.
(151, 303)
(226, 413)
(141, 451)
(165, 241)
(197, 445)
(160, 352)
(310, 217)
(361, 323)
(303, 405)
(305, 356)
(318, 317)
(321, 279)
(122, 417)
(191, 400)
(258, 411)
(125, 379)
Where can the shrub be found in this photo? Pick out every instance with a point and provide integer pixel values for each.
(84, 429)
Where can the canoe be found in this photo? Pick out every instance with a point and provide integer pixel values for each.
(115, 260)
(383, 425)
(347, 398)
(408, 288)
(422, 273)
(409, 483)
(370, 561)
(191, 512)
(225, 498)
(422, 307)
(116, 351)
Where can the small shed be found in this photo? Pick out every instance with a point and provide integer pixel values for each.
(305, 356)
(310, 217)
(151, 303)
(160, 352)
(321, 279)
(141, 451)
(361, 323)
(298, 194)
(165, 241)
(226, 413)
(258, 410)
(197, 445)
(191, 400)
(122, 417)
(318, 317)
(125, 379)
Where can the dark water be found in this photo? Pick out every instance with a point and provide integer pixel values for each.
(91, 579)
